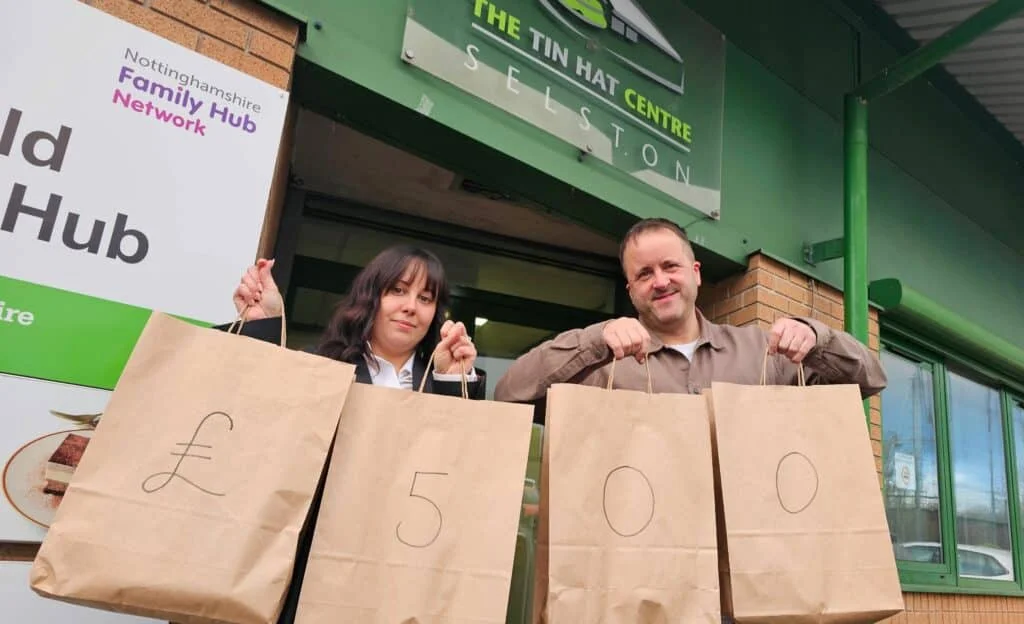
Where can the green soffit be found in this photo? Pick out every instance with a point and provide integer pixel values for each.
(921, 314)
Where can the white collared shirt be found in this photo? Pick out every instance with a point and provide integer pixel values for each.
(384, 374)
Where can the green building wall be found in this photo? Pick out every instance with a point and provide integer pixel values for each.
(942, 195)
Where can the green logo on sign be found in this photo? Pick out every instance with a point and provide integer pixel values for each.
(626, 32)
(590, 11)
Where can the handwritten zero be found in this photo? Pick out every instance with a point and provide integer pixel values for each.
(604, 501)
(794, 507)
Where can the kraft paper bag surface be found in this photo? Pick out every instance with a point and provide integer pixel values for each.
(627, 527)
(188, 502)
(801, 513)
(420, 511)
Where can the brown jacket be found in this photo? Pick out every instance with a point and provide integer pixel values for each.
(724, 353)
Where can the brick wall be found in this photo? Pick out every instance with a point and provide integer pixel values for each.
(243, 34)
(768, 290)
(958, 609)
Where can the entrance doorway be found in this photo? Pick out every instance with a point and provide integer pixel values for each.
(520, 274)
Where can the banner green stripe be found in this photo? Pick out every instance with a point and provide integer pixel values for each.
(64, 336)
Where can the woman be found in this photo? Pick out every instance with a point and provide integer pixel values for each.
(388, 325)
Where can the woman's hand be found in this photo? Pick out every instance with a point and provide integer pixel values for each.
(456, 352)
(257, 293)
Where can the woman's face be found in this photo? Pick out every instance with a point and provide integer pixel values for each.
(405, 313)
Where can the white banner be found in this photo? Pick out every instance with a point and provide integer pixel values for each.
(131, 168)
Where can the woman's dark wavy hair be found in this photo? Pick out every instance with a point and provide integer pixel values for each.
(348, 332)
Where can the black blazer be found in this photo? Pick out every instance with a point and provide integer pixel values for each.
(270, 331)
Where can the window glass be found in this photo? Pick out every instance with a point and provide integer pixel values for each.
(356, 246)
(910, 460)
(1017, 420)
(979, 479)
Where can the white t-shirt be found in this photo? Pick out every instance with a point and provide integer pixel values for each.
(686, 349)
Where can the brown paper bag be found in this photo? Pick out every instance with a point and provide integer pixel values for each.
(627, 531)
(188, 502)
(801, 511)
(420, 511)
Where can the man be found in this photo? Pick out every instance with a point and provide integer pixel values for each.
(685, 351)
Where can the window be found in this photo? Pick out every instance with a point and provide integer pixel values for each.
(911, 471)
(979, 476)
(953, 447)
(355, 245)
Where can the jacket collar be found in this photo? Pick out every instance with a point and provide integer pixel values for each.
(418, 369)
(710, 334)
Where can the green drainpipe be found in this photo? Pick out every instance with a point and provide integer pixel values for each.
(855, 217)
(855, 148)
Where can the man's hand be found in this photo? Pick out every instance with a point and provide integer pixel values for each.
(626, 336)
(792, 339)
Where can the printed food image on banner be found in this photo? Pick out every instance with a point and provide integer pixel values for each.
(134, 175)
(43, 467)
(47, 427)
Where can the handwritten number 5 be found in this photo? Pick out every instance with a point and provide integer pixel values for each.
(437, 510)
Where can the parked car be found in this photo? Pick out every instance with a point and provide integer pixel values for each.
(975, 561)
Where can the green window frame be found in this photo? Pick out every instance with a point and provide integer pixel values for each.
(941, 362)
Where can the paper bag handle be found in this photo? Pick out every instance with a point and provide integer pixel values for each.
(799, 371)
(647, 366)
(463, 380)
(240, 321)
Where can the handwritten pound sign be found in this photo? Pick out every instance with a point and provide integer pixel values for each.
(169, 476)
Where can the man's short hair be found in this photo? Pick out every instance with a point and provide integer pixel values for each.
(648, 225)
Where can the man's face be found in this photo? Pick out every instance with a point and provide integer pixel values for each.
(662, 277)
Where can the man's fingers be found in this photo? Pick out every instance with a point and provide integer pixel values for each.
(640, 340)
(773, 339)
(646, 335)
(616, 345)
(627, 337)
(804, 349)
(783, 345)
(789, 341)
(635, 339)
